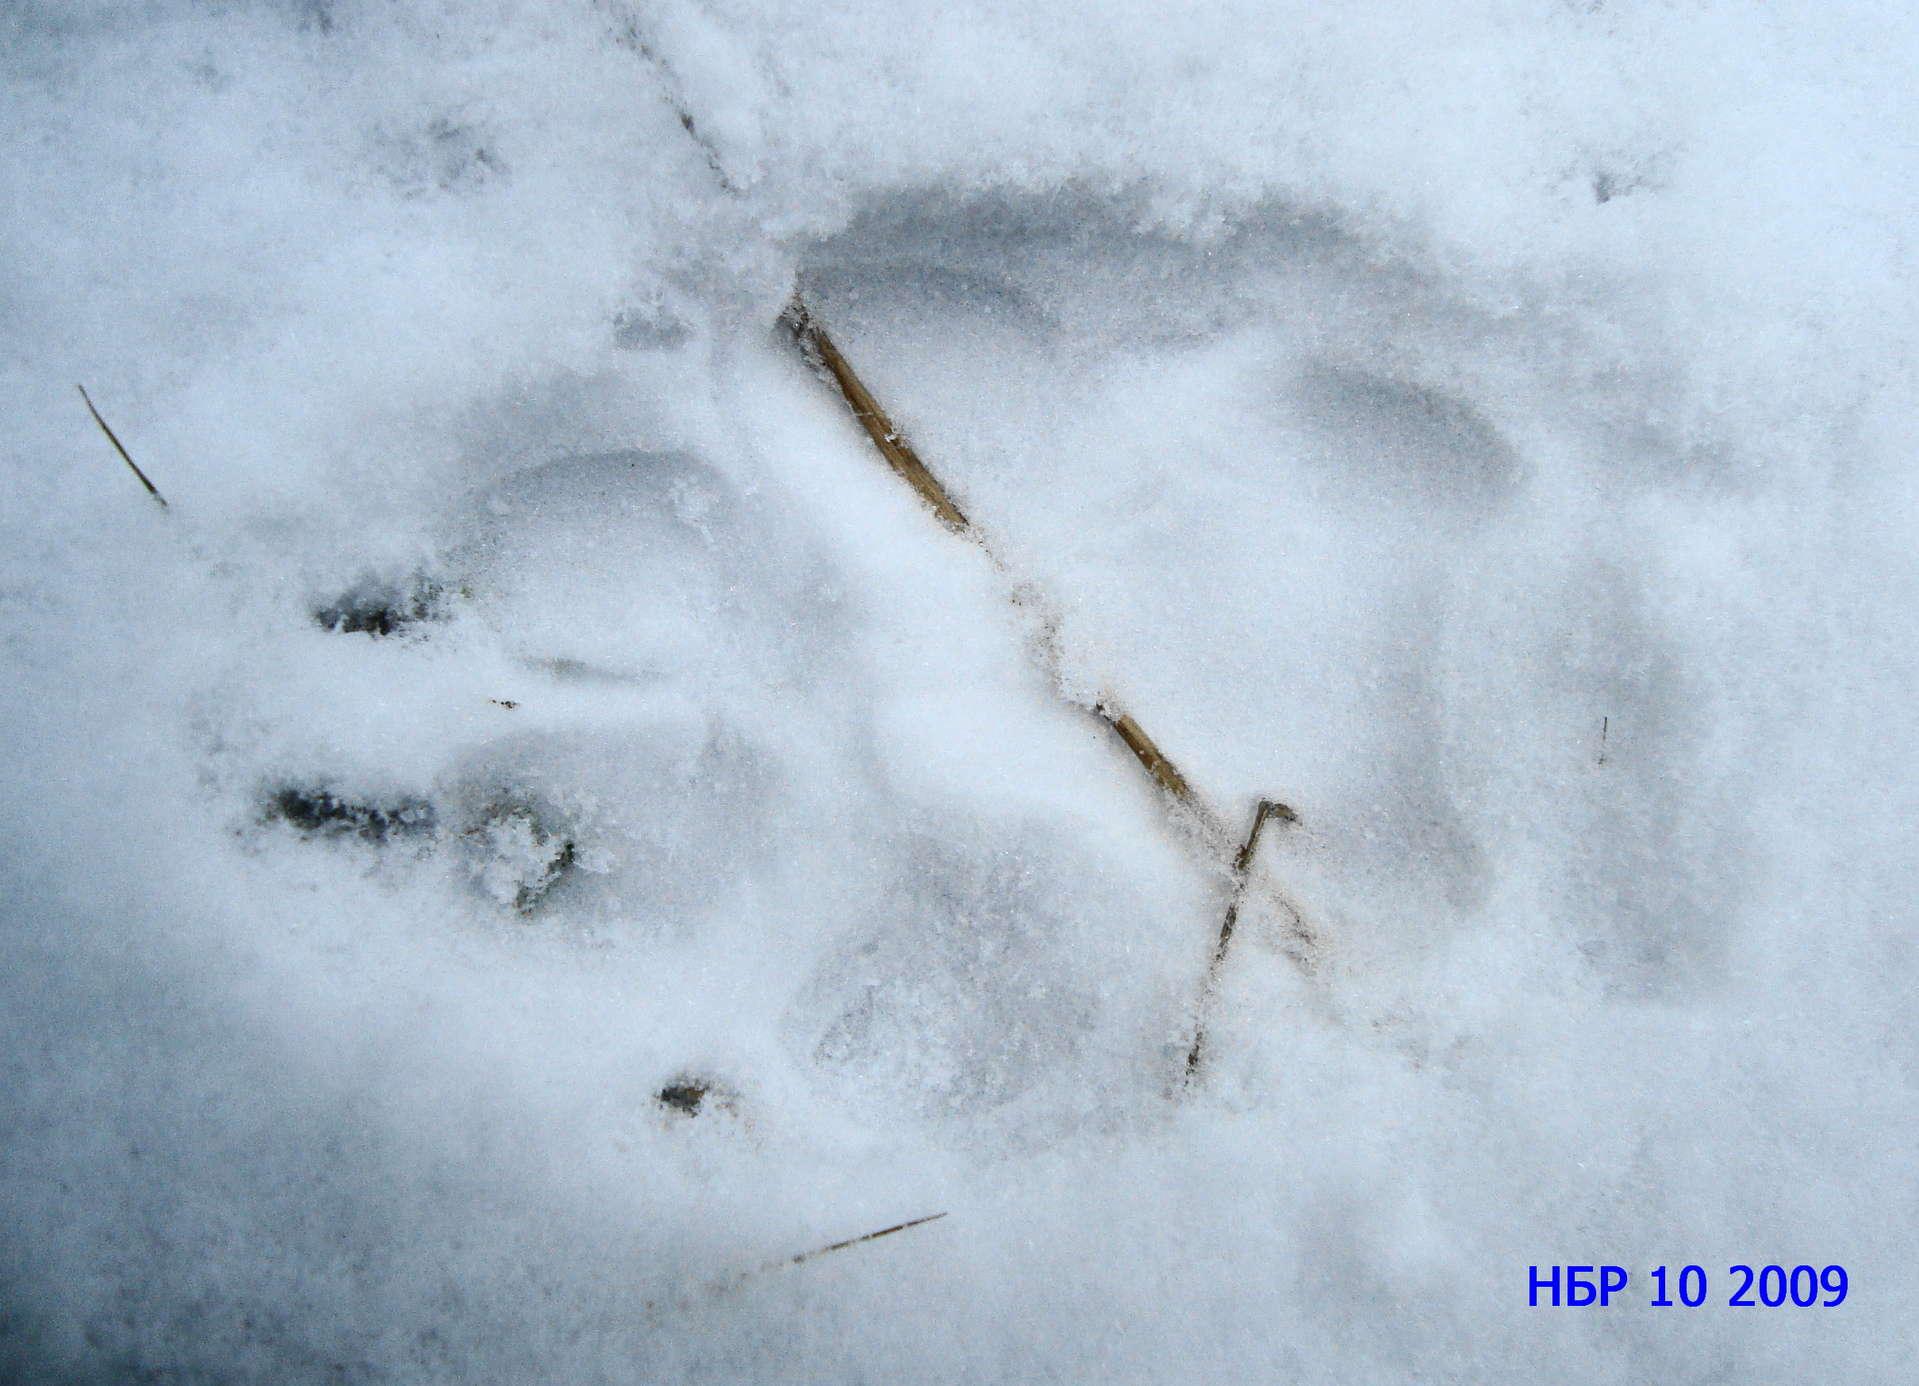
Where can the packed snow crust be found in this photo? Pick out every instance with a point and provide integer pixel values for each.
(1486, 428)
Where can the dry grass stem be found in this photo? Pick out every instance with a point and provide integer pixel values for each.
(120, 448)
(1242, 873)
(1192, 809)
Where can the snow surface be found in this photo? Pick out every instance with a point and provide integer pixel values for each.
(539, 697)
